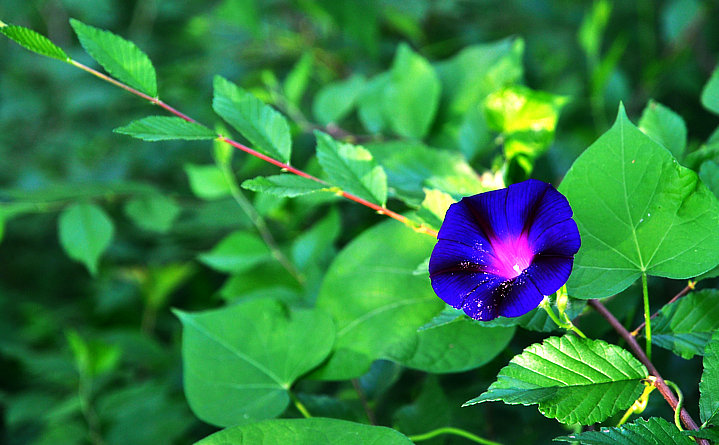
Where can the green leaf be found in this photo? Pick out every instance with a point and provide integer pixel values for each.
(33, 41)
(664, 126)
(121, 58)
(709, 174)
(164, 128)
(240, 361)
(207, 181)
(295, 83)
(154, 212)
(638, 211)
(11, 210)
(705, 433)
(379, 304)
(709, 384)
(93, 357)
(434, 207)
(352, 168)
(371, 102)
(430, 410)
(686, 325)
(289, 186)
(710, 93)
(262, 125)
(85, 233)
(642, 432)
(308, 247)
(412, 95)
(413, 167)
(236, 253)
(314, 431)
(573, 380)
(335, 100)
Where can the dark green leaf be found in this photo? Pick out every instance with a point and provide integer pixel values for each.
(289, 186)
(412, 95)
(709, 385)
(352, 168)
(686, 325)
(259, 123)
(121, 58)
(315, 431)
(164, 128)
(709, 174)
(642, 432)
(33, 41)
(236, 253)
(428, 412)
(638, 211)
(335, 100)
(240, 361)
(572, 379)
(664, 126)
(85, 233)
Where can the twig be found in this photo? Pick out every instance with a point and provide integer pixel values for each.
(689, 287)
(363, 399)
(639, 353)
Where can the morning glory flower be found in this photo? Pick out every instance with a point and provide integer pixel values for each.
(501, 252)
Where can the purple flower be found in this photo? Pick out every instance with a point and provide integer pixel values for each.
(501, 252)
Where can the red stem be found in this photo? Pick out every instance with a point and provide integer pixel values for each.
(282, 165)
(689, 287)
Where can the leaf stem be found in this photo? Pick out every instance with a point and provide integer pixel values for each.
(566, 324)
(647, 316)
(285, 167)
(450, 430)
(688, 288)
(677, 410)
(300, 406)
(664, 390)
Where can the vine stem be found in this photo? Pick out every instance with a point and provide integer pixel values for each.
(664, 390)
(450, 430)
(300, 406)
(688, 288)
(285, 167)
(647, 316)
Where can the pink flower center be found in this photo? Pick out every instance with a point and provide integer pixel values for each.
(513, 256)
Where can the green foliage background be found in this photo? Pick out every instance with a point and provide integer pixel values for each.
(101, 353)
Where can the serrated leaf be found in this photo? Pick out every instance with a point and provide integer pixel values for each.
(289, 186)
(710, 93)
(686, 325)
(665, 126)
(236, 253)
(352, 168)
(33, 41)
(335, 100)
(207, 181)
(573, 380)
(642, 432)
(121, 58)
(314, 431)
(412, 94)
(240, 361)
(164, 128)
(85, 233)
(704, 433)
(156, 213)
(637, 211)
(259, 123)
(709, 384)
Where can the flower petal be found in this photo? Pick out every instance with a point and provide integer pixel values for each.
(510, 298)
(549, 272)
(461, 226)
(551, 210)
(560, 239)
(484, 302)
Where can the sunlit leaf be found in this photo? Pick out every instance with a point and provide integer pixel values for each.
(240, 361)
(289, 186)
(638, 211)
(121, 58)
(207, 181)
(664, 126)
(236, 253)
(335, 100)
(573, 380)
(265, 128)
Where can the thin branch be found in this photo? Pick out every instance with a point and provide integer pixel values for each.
(285, 167)
(689, 287)
(639, 353)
